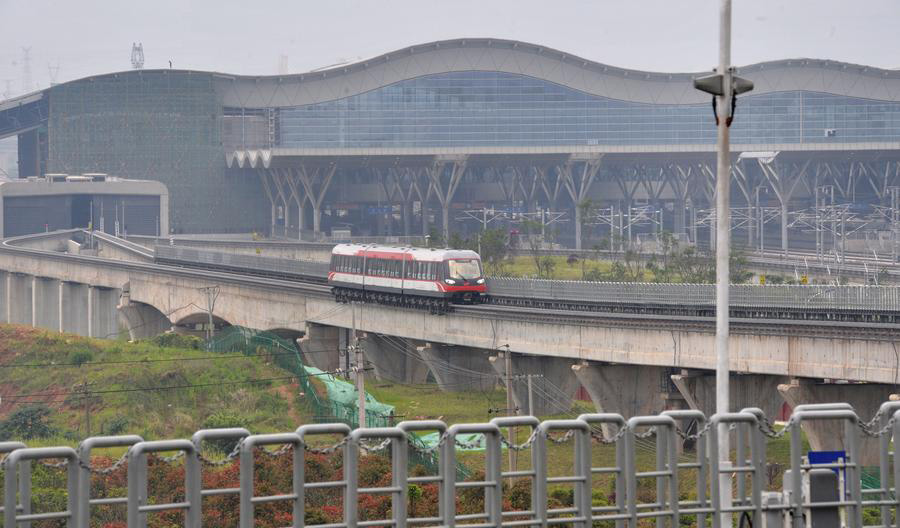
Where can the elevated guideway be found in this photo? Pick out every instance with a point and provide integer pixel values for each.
(613, 354)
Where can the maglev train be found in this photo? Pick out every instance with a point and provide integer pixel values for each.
(420, 278)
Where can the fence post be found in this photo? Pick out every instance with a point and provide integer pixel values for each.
(10, 517)
(229, 433)
(302, 433)
(532, 423)
(84, 472)
(24, 479)
(851, 468)
(581, 480)
(441, 428)
(397, 489)
(137, 496)
(247, 500)
(619, 471)
(701, 464)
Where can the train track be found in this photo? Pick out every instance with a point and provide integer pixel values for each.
(869, 325)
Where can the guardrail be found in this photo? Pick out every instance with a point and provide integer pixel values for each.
(632, 502)
(799, 297)
(271, 266)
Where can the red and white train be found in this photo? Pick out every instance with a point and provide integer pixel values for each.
(414, 277)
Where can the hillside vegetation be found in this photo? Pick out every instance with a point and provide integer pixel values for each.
(161, 388)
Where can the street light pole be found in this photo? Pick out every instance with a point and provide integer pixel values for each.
(723, 247)
(724, 86)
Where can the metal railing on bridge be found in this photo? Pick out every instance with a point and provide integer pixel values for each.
(796, 297)
(309, 269)
(632, 502)
(525, 291)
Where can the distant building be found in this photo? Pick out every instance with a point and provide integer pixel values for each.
(60, 201)
(463, 124)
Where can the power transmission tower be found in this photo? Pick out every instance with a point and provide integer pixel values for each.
(53, 71)
(137, 56)
(26, 69)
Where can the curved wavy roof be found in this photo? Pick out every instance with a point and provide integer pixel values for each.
(509, 56)
(482, 54)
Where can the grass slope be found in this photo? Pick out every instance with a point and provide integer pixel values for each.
(132, 385)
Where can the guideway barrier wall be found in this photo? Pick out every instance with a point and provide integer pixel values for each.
(747, 462)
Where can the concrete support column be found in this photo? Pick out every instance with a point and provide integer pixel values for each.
(19, 298)
(320, 347)
(45, 303)
(4, 301)
(828, 435)
(678, 224)
(750, 390)
(458, 369)
(629, 390)
(394, 359)
(103, 317)
(73, 308)
(552, 392)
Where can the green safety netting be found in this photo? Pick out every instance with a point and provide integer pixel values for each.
(344, 398)
(464, 442)
(340, 400)
(340, 404)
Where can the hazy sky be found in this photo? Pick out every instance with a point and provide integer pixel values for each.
(79, 38)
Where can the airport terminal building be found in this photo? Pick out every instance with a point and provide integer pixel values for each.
(438, 134)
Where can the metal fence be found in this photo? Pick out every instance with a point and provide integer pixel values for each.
(879, 299)
(633, 502)
(242, 263)
(800, 297)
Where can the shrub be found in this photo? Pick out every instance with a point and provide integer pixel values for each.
(31, 421)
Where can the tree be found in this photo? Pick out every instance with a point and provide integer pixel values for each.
(543, 264)
(494, 247)
(25, 423)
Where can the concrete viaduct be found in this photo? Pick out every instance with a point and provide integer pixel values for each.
(629, 364)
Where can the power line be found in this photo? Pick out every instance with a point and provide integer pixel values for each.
(139, 361)
(17, 397)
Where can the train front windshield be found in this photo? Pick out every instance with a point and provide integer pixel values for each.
(465, 269)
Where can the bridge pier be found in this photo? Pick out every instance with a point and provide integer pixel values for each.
(142, 320)
(103, 317)
(457, 368)
(828, 435)
(698, 387)
(19, 298)
(629, 390)
(45, 303)
(547, 400)
(321, 346)
(73, 304)
(395, 359)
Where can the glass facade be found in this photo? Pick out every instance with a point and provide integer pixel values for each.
(154, 125)
(500, 109)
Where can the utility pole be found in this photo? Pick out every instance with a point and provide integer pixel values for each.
(360, 371)
(507, 356)
(530, 395)
(724, 86)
